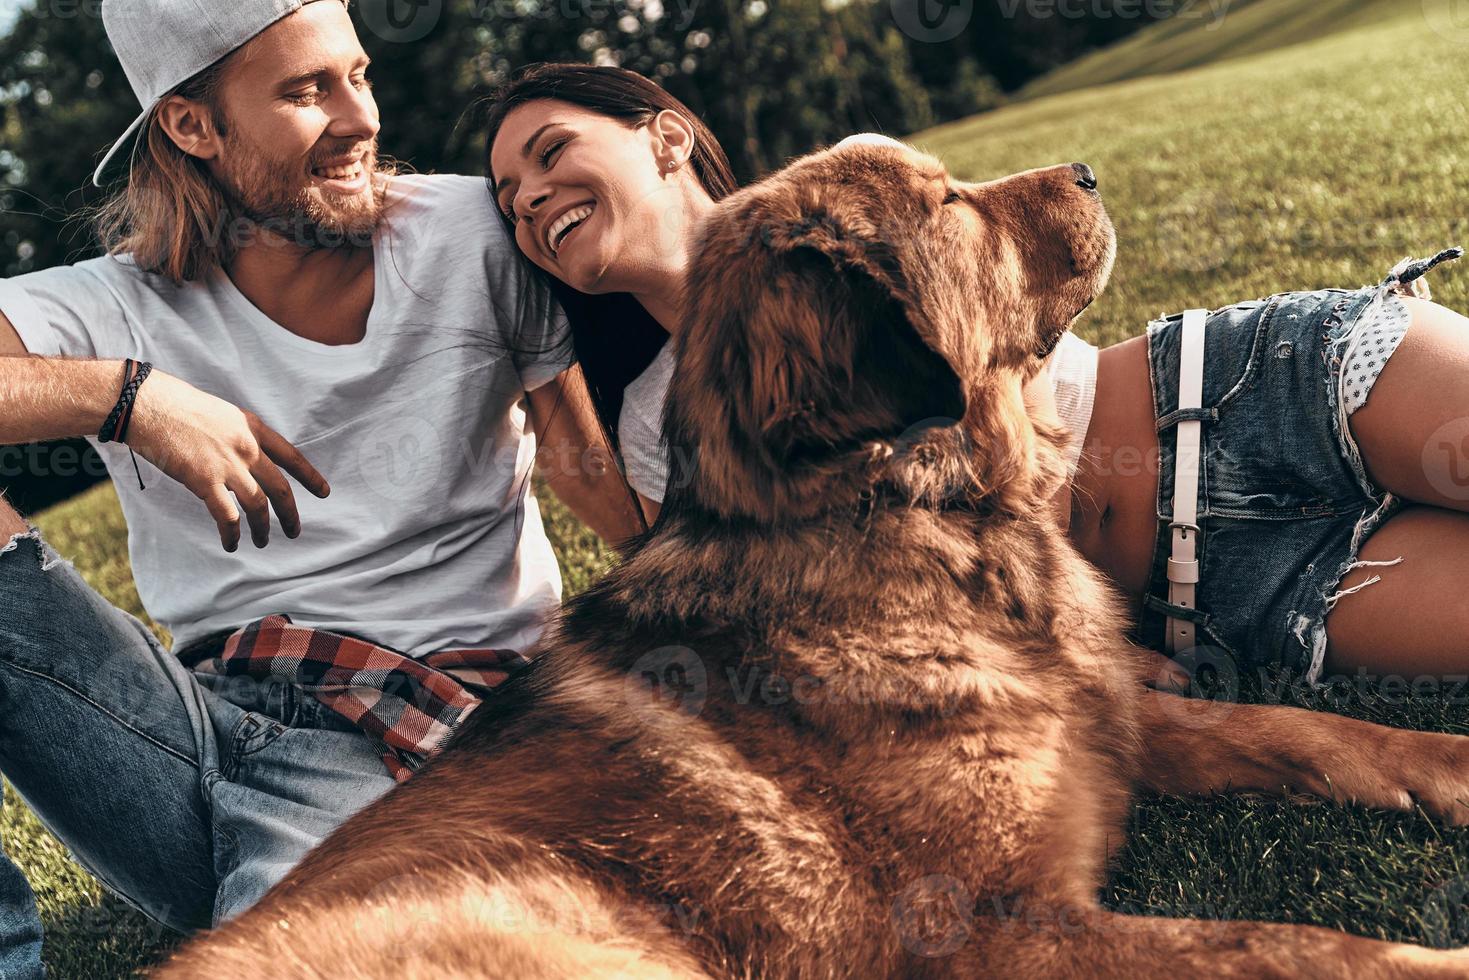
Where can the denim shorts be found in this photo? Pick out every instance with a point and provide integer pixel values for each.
(1284, 499)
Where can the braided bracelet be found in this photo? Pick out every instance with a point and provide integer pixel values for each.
(127, 416)
(114, 429)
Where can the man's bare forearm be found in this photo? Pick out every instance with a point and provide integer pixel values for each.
(55, 397)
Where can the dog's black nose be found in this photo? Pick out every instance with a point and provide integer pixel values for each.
(1084, 176)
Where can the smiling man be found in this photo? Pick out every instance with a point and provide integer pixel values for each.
(308, 315)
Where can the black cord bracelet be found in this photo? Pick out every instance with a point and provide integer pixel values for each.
(127, 416)
(123, 411)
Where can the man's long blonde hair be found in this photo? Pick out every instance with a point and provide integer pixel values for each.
(172, 215)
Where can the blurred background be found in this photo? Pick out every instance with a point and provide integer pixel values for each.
(772, 78)
(1244, 148)
(982, 82)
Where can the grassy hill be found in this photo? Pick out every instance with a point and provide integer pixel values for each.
(1316, 164)
(1207, 32)
(1313, 165)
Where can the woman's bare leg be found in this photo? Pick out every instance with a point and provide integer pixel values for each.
(1414, 621)
(1414, 430)
(1414, 437)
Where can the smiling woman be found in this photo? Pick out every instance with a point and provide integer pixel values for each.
(602, 176)
(1319, 526)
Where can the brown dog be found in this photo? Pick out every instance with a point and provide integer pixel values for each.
(855, 707)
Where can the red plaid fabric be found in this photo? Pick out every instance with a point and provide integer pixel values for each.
(410, 706)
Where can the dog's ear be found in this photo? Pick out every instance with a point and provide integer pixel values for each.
(803, 346)
(860, 363)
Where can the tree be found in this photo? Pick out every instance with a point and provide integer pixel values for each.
(63, 97)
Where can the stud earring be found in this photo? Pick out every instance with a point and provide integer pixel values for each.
(671, 165)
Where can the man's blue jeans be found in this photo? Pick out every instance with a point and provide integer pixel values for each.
(187, 800)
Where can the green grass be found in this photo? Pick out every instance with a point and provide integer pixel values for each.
(1312, 165)
(1315, 165)
(1210, 31)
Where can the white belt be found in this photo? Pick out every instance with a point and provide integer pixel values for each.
(1183, 562)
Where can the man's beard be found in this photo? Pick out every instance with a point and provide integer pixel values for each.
(276, 198)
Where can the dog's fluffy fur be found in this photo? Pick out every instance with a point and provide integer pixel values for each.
(854, 707)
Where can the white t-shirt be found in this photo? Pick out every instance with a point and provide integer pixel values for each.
(1072, 372)
(645, 455)
(430, 538)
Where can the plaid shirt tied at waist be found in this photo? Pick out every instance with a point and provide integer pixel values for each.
(408, 705)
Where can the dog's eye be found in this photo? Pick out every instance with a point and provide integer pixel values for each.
(952, 197)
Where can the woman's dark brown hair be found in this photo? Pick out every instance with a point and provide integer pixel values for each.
(614, 338)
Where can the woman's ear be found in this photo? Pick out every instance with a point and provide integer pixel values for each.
(673, 140)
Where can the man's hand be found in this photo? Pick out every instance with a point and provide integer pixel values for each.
(10, 343)
(215, 448)
(203, 442)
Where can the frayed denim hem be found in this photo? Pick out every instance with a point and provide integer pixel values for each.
(47, 556)
(1310, 630)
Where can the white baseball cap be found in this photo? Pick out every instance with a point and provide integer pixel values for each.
(164, 43)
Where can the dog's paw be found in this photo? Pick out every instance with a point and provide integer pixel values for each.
(1431, 770)
(1390, 769)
